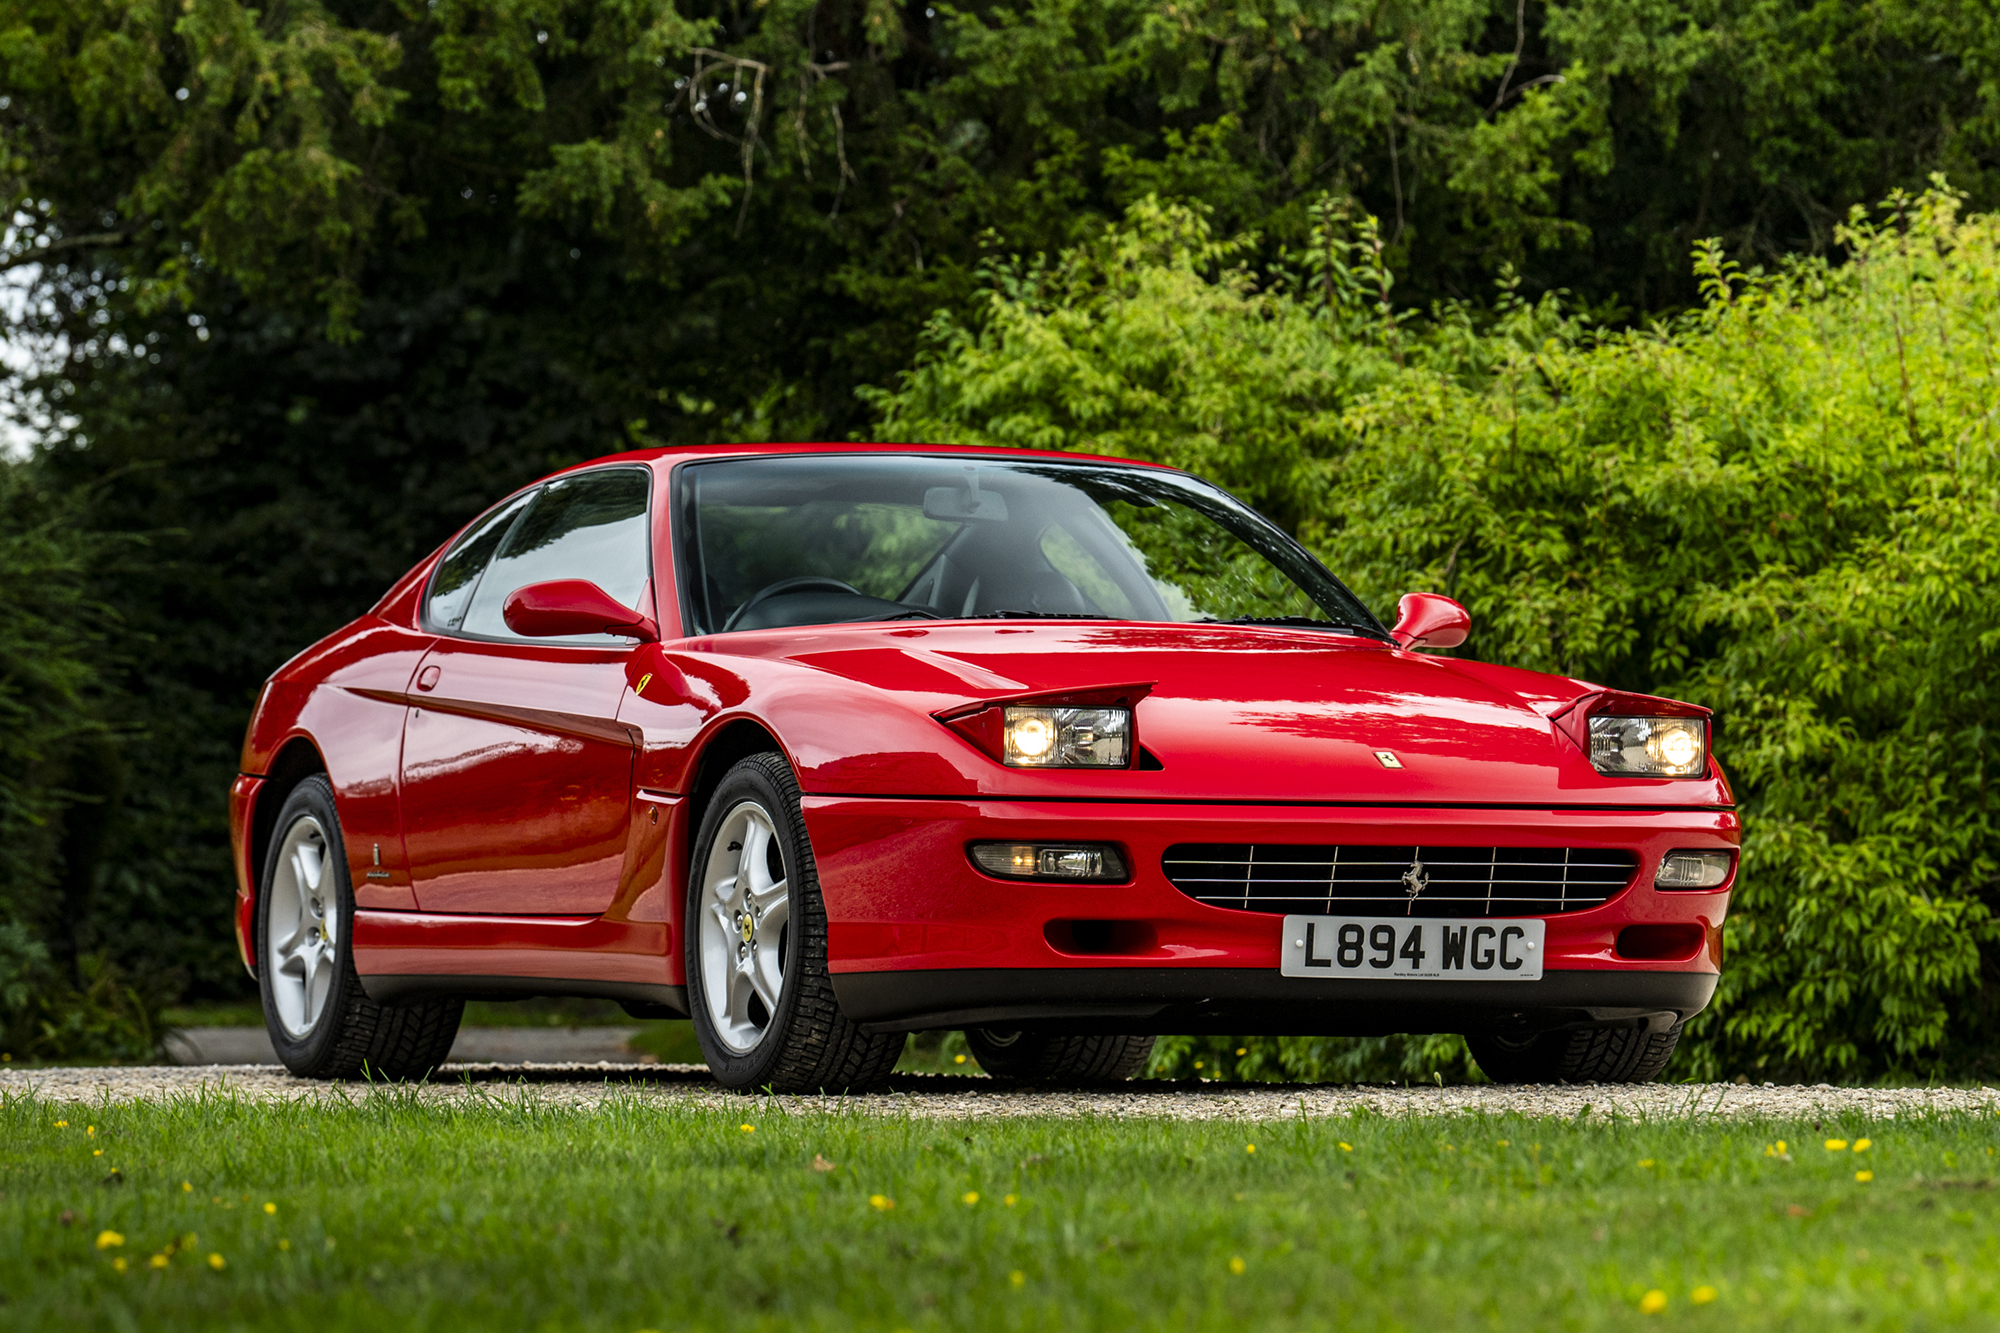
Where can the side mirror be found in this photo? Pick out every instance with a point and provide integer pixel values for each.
(573, 606)
(1429, 620)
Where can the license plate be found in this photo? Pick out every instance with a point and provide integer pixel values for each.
(1396, 948)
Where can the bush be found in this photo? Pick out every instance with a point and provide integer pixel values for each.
(58, 997)
(1782, 504)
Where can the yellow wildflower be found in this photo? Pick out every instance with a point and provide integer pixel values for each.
(284, 1244)
(969, 1198)
(270, 1207)
(217, 1262)
(748, 1129)
(1236, 1266)
(62, 1124)
(118, 1264)
(1702, 1295)
(109, 1239)
(1249, 1147)
(1836, 1145)
(1243, 1050)
(1347, 1147)
(1017, 1277)
(158, 1261)
(90, 1130)
(1864, 1176)
(1645, 1161)
(187, 1187)
(97, 1152)
(1010, 1200)
(881, 1202)
(958, 1059)
(1863, 1145)
(1653, 1302)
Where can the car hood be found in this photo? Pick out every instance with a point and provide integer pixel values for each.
(1248, 713)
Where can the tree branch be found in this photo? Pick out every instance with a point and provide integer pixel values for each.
(41, 253)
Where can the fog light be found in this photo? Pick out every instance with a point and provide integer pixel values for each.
(1051, 861)
(1693, 870)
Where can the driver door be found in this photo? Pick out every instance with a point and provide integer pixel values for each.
(516, 773)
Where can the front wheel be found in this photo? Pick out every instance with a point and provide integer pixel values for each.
(1578, 1055)
(755, 939)
(322, 1024)
(1046, 1057)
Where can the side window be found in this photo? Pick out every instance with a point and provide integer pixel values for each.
(458, 573)
(588, 526)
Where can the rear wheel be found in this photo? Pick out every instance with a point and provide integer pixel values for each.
(1050, 1057)
(1578, 1055)
(763, 1004)
(321, 1022)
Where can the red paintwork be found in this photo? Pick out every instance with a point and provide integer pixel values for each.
(1426, 620)
(527, 799)
(574, 606)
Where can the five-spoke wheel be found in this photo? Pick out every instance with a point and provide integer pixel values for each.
(746, 907)
(321, 1020)
(302, 933)
(763, 1005)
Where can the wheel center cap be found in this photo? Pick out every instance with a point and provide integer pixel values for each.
(746, 926)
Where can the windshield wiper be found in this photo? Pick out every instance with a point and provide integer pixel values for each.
(1303, 622)
(1038, 615)
(914, 613)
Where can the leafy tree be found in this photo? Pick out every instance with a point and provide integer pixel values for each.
(321, 277)
(1782, 504)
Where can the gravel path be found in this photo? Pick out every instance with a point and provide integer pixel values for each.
(948, 1098)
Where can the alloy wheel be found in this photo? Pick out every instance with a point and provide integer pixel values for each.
(744, 915)
(302, 928)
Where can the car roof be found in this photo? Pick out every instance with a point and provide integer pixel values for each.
(670, 455)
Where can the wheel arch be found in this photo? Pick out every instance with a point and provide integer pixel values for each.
(731, 743)
(296, 760)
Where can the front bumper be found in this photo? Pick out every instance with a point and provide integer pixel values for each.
(918, 938)
(1235, 999)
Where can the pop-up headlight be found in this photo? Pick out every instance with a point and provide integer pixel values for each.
(1087, 729)
(1067, 737)
(1649, 747)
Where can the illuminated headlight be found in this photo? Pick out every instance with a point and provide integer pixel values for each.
(1693, 870)
(1067, 737)
(1649, 747)
(1041, 860)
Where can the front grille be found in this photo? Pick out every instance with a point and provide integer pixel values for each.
(1377, 881)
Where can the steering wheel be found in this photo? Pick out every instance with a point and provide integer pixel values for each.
(803, 583)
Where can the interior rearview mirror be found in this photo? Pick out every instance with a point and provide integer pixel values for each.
(965, 504)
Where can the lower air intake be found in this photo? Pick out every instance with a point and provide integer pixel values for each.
(1398, 881)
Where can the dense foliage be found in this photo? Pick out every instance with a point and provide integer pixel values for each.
(314, 280)
(1785, 504)
(58, 775)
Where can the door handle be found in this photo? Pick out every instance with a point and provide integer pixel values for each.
(427, 679)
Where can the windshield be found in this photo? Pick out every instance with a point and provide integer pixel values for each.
(810, 540)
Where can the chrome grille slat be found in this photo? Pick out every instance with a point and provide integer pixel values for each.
(1368, 880)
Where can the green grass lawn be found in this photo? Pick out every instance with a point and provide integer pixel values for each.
(643, 1213)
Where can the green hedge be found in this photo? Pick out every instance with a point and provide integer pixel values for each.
(1782, 504)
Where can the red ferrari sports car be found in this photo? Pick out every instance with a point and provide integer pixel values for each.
(820, 745)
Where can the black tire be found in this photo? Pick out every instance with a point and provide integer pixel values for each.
(1051, 1057)
(1577, 1055)
(807, 1044)
(351, 1035)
